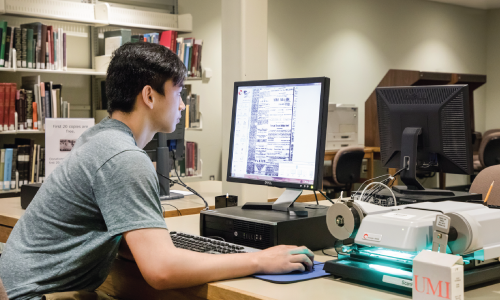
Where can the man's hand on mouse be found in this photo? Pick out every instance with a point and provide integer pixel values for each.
(284, 259)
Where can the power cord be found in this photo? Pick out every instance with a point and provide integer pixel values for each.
(316, 196)
(178, 211)
(186, 187)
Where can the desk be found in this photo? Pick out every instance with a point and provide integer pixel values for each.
(126, 282)
(11, 211)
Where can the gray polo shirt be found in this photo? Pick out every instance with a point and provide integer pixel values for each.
(70, 233)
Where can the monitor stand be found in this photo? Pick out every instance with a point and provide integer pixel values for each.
(284, 202)
(409, 143)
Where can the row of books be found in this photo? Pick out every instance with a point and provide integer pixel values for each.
(188, 49)
(31, 104)
(193, 115)
(21, 163)
(38, 46)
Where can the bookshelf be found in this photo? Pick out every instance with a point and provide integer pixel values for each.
(82, 23)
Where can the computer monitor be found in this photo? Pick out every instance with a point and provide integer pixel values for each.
(425, 128)
(278, 133)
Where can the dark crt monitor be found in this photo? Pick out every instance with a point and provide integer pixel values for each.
(425, 128)
(161, 150)
(278, 132)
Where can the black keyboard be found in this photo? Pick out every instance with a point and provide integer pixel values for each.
(206, 245)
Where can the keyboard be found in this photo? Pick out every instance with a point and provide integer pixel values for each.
(206, 245)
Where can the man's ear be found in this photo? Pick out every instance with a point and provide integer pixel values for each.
(147, 96)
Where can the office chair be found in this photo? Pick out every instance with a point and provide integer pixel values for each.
(344, 171)
(3, 293)
(482, 183)
(489, 152)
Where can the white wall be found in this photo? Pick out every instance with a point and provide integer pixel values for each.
(207, 26)
(355, 42)
(493, 70)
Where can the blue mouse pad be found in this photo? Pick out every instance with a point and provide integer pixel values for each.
(296, 276)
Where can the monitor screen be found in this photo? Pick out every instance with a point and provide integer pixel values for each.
(276, 134)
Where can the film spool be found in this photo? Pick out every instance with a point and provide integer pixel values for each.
(343, 221)
(467, 233)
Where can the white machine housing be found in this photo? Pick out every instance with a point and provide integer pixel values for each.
(342, 128)
(411, 228)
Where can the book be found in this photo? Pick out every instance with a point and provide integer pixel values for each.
(48, 100)
(18, 46)
(37, 167)
(11, 50)
(7, 47)
(24, 47)
(2, 104)
(21, 161)
(33, 163)
(43, 48)
(59, 140)
(60, 48)
(55, 51)
(7, 169)
(35, 116)
(43, 104)
(41, 177)
(3, 25)
(125, 34)
(58, 99)
(29, 109)
(56, 109)
(13, 175)
(29, 48)
(50, 43)
(12, 106)
(111, 44)
(2, 165)
(65, 65)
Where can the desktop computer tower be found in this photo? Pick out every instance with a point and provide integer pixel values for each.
(266, 228)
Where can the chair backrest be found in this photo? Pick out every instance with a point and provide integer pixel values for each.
(489, 151)
(482, 183)
(347, 164)
(3, 293)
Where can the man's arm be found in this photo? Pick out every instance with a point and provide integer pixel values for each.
(164, 266)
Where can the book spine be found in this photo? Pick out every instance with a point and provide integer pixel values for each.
(22, 110)
(2, 104)
(65, 65)
(43, 47)
(7, 169)
(29, 109)
(35, 116)
(24, 39)
(43, 104)
(2, 47)
(29, 52)
(2, 165)
(37, 168)
(37, 39)
(7, 47)
(6, 107)
(18, 46)
(55, 51)
(13, 183)
(12, 106)
(33, 163)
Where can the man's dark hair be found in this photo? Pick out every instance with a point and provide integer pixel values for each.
(135, 65)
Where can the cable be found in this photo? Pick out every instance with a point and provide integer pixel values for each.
(178, 211)
(326, 197)
(186, 187)
(373, 183)
(316, 196)
(323, 250)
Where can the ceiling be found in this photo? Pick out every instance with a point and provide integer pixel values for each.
(482, 4)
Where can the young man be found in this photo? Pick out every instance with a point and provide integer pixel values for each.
(104, 198)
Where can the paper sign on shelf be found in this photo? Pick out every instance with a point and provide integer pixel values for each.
(60, 137)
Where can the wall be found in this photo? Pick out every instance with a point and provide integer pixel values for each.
(355, 42)
(207, 26)
(493, 70)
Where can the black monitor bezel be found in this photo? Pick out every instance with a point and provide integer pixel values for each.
(321, 138)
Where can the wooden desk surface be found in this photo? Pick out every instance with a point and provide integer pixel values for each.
(251, 288)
